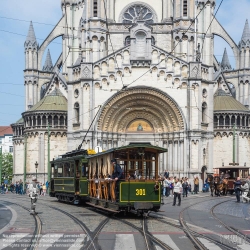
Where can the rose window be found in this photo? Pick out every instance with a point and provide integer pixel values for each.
(138, 12)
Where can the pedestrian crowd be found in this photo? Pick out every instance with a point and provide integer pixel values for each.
(20, 188)
(176, 187)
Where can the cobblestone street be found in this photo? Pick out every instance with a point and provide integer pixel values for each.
(61, 231)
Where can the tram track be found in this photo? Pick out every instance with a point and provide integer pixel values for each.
(191, 234)
(146, 234)
(92, 243)
(231, 229)
(36, 236)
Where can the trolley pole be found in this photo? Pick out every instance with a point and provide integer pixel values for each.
(0, 165)
(48, 158)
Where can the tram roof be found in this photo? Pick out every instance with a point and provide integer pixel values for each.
(232, 167)
(146, 146)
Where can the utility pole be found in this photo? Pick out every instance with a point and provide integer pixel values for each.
(25, 161)
(48, 158)
(0, 165)
(234, 145)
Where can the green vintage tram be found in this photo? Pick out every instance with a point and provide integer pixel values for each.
(81, 176)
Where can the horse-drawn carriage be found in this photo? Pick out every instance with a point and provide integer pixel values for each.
(223, 179)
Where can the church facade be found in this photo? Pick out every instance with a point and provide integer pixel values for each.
(135, 71)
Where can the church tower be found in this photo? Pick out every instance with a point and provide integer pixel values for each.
(31, 68)
(243, 85)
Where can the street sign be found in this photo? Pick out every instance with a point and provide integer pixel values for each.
(98, 149)
(5, 181)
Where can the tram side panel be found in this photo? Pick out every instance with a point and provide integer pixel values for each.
(141, 195)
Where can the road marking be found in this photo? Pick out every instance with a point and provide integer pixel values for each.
(235, 239)
(78, 243)
(125, 242)
(48, 240)
(12, 221)
(208, 244)
(9, 239)
(167, 240)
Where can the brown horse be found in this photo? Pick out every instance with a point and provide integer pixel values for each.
(210, 181)
(220, 187)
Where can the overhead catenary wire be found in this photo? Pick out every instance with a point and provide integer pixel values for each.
(210, 25)
(108, 34)
(123, 89)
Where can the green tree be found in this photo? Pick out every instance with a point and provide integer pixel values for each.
(7, 167)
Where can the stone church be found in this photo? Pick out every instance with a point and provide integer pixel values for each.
(135, 71)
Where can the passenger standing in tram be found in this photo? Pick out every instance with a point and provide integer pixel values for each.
(116, 175)
(177, 192)
(237, 188)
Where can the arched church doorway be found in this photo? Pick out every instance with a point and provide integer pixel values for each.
(204, 173)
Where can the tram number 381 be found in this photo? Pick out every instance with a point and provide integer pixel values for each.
(140, 191)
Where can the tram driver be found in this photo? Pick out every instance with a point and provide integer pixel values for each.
(116, 175)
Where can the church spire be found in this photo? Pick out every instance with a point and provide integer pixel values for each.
(225, 64)
(31, 38)
(246, 32)
(48, 65)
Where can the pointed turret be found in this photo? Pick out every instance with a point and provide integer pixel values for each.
(225, 64)
(246, 32)
(48, 65)
(30, 41)
(245, 39)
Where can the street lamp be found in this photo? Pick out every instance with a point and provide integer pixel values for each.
(36, 165)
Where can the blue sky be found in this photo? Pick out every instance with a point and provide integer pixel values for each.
(232, 15)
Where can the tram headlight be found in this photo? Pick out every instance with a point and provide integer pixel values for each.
(157, 186)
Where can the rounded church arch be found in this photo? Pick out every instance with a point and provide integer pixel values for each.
(151, 108)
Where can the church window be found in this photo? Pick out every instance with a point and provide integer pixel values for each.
(127, 41)
(227, 120)
(61, 121)
(221, 121)
(204, 93)
(76, 93)
(204, 110)
(185, 7)
(138, 12)
(95, 8)
(77, 109)
(152, 40)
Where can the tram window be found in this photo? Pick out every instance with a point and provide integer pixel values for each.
(72, 169)
(52, 172)
(56, 171)
(244, 173)
(66, 170)
(59, 171)
(85, 170)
